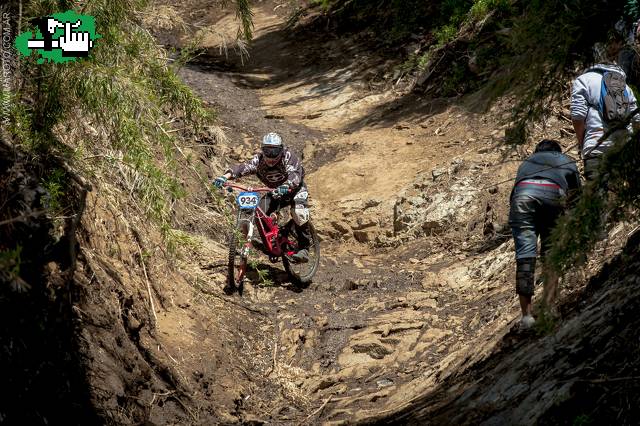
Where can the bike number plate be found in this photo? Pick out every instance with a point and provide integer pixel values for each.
(248, 200)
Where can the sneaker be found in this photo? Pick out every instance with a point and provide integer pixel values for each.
(527, 322)
(301, 257)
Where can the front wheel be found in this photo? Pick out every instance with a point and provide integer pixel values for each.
(302, 273)
(237, 264)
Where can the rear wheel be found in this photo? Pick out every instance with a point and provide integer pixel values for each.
(302, 273)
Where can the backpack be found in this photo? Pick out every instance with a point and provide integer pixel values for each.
(614, 96)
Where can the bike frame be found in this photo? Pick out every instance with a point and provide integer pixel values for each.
(268, 228)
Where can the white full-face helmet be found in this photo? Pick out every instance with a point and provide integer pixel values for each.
(272, 148)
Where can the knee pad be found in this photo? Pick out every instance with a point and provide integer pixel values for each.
(525, 272)
(300, 214)
(301, 196)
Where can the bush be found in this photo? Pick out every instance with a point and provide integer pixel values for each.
(125, 90)
(614, 195)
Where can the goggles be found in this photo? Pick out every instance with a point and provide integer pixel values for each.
(271, 151)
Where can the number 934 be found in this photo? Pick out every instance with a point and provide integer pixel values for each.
(248, 200)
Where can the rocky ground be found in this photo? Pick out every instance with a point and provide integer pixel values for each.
(410, 198)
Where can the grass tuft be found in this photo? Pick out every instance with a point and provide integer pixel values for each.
(128, 93)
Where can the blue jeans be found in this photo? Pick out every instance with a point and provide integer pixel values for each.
(534, 211)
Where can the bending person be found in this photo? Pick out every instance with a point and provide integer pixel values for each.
(543, 182)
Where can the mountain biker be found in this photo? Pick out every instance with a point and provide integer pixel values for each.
(543, 182)
(279, 168)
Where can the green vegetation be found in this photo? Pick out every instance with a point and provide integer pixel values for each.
(175, 239)
(54, 185)
(545, 322)
(445, 34)
(456, 83)
(244, 15)
(613, 196)
(481, 8)
(632, 8)
(112, 113)
(263, 274)
(582, 420)
(125, 91)
(399, 19)
(528, 49)
(415, 61)
(10, 261)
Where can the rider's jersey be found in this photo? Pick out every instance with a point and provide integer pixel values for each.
(288, 170)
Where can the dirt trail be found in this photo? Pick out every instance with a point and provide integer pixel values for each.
(416, 272)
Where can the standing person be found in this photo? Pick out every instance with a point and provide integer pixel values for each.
(600, 99)
(279, 168)
(543, 182)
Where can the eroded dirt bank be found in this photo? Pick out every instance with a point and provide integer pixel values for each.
(586, 371)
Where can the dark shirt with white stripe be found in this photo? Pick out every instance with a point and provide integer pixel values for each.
(552, 167)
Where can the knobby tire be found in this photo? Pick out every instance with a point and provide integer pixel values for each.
(303, 280)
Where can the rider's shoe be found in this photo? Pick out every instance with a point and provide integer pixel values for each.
(229, 288)
(301, 256)
(526, 322)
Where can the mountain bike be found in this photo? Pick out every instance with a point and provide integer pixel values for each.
(276, 240)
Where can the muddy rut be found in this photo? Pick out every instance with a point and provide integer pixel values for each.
(415, 282)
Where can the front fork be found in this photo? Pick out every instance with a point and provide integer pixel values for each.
(246, 248)
(244, 253)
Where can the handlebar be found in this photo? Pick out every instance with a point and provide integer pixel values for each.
(245, 188)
